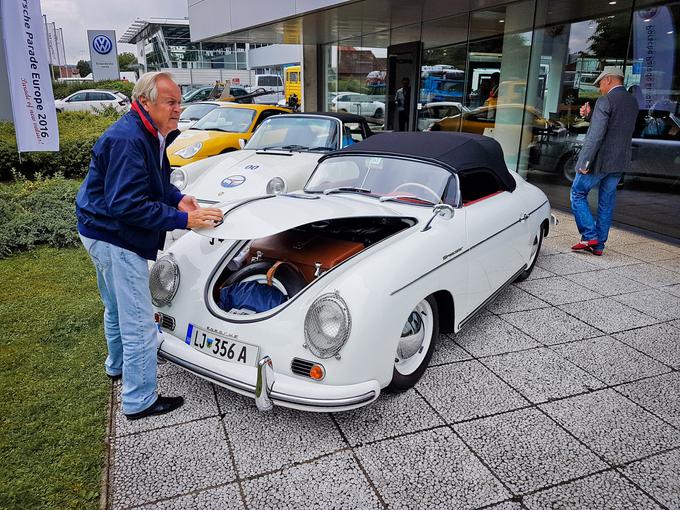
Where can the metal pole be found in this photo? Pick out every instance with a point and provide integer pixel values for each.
(63, 50)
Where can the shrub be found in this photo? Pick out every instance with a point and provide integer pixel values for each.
(63, 89)
(37, 212)
(78, 131)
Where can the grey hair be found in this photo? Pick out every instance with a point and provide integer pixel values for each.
(147, 87)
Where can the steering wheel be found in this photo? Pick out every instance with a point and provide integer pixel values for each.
(438, 198)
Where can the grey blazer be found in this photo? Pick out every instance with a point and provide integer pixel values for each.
(608, 142)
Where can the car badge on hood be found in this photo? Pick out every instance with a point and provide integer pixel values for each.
(233, 181)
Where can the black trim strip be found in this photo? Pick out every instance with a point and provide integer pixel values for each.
(491, 297)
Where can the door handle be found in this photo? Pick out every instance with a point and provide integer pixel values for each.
(523, 217)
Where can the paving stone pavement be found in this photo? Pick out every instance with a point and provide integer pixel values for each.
(564, 393)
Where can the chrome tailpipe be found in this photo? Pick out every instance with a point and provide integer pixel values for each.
(265, 381)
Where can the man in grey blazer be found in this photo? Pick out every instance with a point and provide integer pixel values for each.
(604, 157)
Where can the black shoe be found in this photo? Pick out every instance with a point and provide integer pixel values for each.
(115, 377)
(162, 405)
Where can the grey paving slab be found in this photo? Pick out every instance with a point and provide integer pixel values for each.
(557, 290)
(506, 505)
(610, 360)
(671, 264)
(490, 334)
(165, 368)
(672, 289)
(653, 302)
(659, 341)
(199, 402)
(527, 450)
(646, 251)
(467, 390)
(611, 258)
(551, 325)
(554, 245)
(169, 462)
(335, 481)
(541, 374)
(601, 491)
(650, 275)
(514, 299)
(566, 263)
(660, 395)
(608, 315)
(263, 442)
(537, 273)
(447, 351)
(391, 415)
(619, 238)
(658, 475)
(404, 473)
(219, 498)
(613, 426)
(606, 282)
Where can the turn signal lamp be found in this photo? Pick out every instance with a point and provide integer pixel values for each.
(317, 372)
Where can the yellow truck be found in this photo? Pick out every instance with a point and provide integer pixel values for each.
(292, 86)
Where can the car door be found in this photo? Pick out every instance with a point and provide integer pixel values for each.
(76, 102)
(497, 233)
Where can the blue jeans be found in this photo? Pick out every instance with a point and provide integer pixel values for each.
(131, 333)
(589, 227)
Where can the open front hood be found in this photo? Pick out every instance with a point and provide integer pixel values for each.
(248, 173)
(270, 214)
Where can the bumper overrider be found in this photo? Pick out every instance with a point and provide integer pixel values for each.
(267, 386)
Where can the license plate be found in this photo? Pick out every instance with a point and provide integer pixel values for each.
(226, 349)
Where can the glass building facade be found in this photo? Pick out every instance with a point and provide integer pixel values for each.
(519, 72)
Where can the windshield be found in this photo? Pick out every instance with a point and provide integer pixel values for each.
(390, 178)
(230, 120)
(296, 133)
(196, 111)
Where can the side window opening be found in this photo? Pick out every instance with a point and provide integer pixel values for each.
(477, 184)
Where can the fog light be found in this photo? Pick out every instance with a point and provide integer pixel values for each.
(317, 372)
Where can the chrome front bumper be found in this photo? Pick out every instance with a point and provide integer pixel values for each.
(268, 387)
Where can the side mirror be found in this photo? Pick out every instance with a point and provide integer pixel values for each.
(445, 211)
(242, 142)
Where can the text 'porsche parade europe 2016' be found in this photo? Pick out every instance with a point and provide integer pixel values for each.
(35, 118)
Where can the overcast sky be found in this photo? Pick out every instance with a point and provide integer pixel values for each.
(75, 17)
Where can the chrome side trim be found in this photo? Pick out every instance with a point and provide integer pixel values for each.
(493, 296)
(275, 395)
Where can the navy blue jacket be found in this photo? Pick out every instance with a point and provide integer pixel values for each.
(126, 198)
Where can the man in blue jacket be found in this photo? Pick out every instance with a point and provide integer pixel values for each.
(124, 207)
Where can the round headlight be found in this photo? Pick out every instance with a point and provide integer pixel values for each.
(189, 151)
(276, 185)
(327, 325)
(164, 281)
(178, 178)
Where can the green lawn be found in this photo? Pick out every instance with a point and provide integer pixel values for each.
(53, 391)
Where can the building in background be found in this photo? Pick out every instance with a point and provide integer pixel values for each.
(514, 70)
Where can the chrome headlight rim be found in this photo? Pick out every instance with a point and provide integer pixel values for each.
(154, 279)
(313, 327)
(189, 151)
(182, 175)
(276, 185)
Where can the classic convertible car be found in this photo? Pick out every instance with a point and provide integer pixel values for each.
(320, 299)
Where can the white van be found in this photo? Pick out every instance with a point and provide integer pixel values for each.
(271, 82)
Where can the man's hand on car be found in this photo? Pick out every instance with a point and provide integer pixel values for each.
(207, 217)
(188, 203)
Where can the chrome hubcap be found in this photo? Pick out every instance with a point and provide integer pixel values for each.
(415, 340)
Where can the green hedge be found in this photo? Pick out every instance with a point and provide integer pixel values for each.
(63, 89)
(78, 131)
(38, 212)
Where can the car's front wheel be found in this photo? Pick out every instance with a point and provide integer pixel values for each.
(536, 242)
(416, 345)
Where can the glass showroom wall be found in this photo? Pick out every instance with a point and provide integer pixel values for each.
(573, 42)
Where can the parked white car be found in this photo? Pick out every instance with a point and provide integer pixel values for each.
(320, 299)
(93, 100)
(195, 112)
(361, 104)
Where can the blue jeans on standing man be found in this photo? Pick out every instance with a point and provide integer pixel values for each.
(131, 333)
(589, 227)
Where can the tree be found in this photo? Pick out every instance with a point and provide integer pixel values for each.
(84, 68)
(610, 39)
(126, 59)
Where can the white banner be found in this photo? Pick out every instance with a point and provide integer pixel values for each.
(35, 116)
(103, 54)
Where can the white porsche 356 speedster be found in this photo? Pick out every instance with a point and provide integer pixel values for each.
(320, 299)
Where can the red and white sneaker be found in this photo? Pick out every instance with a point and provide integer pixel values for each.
(584, 245)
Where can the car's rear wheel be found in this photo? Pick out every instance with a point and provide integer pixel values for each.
(536, 243)
(416, 345)
(567, 166)
(378, 113)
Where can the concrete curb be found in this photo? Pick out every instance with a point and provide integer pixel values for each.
(105, 485)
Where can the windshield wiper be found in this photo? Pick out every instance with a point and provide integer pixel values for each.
(295, 147)
(400, 198)
(346, 189)
(321, 148)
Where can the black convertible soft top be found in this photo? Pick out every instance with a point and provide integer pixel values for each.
(456, 151)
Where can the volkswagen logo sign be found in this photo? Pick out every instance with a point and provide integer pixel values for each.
(232, 181)
(102, 44)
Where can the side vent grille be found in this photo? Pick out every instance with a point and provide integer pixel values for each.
(301, 367)
(167, 322)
